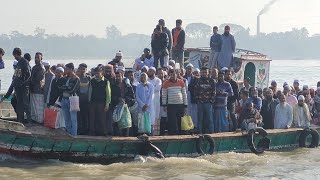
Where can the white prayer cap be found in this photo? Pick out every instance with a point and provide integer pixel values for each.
(301, 98)
(172, 61)
(120, 68)
(196, 70)
(46, 63)
(190, 65)
(145, 67)
(15, 62)
(119, 54)
(224, 69)
(60, 69)
(153, 68)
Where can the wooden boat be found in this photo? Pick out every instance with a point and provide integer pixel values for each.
(36, 141)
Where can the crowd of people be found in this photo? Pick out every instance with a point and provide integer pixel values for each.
(165, 89)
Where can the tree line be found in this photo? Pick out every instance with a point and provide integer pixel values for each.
(294, 44)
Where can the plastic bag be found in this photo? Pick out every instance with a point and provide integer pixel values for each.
(144, 125)
(74, 103)
(134, 113)
(117, 112)
(125, 120)
(50, 118)
(186, 123)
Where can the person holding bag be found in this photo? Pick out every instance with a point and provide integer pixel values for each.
(100, 99)
(144, 95)
(69, 88)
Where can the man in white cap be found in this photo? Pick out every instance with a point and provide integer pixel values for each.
(172, 63)
(36, 89)
(196, 72)
(301, 114)
(192, 105)
(155, 114)
(117, 60)
(283, 114)
(144, 69)
(48, 77)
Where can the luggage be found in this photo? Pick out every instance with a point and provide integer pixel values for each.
(144, 125)
(186, 123)
(74, 103)
(53, 118)
(125, 120)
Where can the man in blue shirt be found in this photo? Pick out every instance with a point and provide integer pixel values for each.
(215, 45)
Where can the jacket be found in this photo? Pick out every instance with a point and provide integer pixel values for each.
(127, 94)
(22, 73)
(159, 45)
(180, 41)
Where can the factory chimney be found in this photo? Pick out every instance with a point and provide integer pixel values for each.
(258, 25)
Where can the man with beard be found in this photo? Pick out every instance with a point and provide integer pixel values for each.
(167, 31)
(145, 60)
(21, 85)
(301, 114)
(174, 99)
(36, 89)
(192, 104)
(155, 114)
(117, 60)
(159, 44)
(283, 114)
(205, 92)
(232, 99)
(268, 109)
(121, 92)
(179, 38)
(228, 47)
(223, 91)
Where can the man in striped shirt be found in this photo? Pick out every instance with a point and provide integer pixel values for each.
(174, 100)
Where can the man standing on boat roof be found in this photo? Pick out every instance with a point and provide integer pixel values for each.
(228, 47)
(168, 32)
(179, 39)
(21, 85)
(159, 44)
(215, 45)
(146, 59)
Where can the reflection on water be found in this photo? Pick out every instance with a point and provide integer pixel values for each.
(294, 164)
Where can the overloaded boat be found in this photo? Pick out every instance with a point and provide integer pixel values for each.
(36, 141)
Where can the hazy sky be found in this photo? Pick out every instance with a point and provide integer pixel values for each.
(140, 16)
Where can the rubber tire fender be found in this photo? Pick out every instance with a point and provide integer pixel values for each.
(200, 141)
(263, 144)
(303, 137)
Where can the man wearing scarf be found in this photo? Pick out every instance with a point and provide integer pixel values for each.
(228, 47)
(301, 114)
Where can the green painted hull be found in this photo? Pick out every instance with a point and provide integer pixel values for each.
(48, 145)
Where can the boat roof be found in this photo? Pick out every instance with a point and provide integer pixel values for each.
(239, 53)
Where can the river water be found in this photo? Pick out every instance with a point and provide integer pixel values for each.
(293, 164)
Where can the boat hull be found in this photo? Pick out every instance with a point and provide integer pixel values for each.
(40, 142)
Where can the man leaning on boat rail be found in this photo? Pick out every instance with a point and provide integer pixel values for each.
(163, 101)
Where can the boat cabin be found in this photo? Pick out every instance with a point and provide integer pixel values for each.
(246, 63)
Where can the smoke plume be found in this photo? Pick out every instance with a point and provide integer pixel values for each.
(266, 8)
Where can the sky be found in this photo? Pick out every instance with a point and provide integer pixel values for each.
(88, 17)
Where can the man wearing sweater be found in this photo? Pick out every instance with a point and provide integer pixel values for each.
(174, 99)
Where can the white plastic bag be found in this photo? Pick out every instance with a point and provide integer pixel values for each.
(117, 112)
(74, 103)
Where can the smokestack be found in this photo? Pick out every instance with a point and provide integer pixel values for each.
(258, 25)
